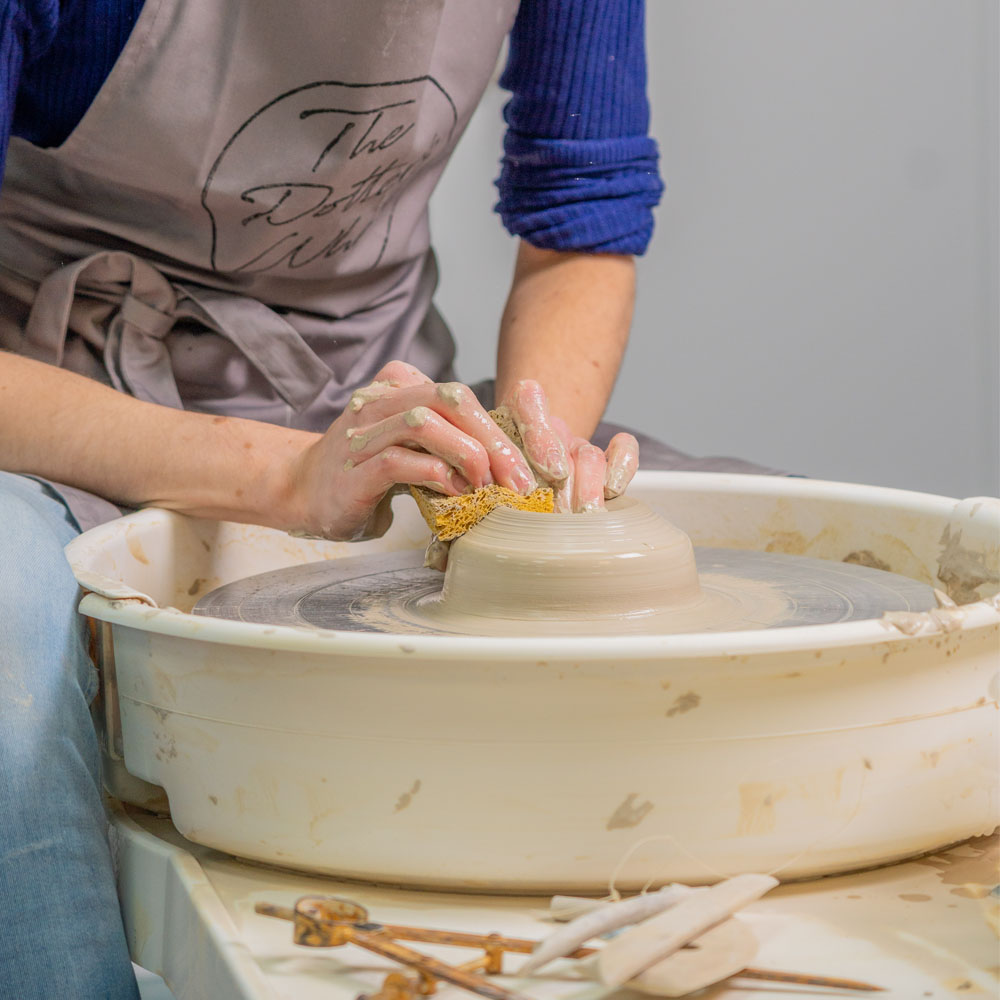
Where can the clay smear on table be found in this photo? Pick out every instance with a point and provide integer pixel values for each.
(624, 570)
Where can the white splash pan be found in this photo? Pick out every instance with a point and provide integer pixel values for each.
(558, 763)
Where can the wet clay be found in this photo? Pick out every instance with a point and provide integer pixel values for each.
(524, 565)
(622, 570)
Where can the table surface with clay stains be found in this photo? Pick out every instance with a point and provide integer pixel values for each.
(929, 927)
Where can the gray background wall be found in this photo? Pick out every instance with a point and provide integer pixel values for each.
(822, 290)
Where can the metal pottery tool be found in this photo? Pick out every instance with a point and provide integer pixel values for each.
(332, 921)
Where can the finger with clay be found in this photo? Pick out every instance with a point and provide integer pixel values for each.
(582, 475)
(401, 429)
(623, 463)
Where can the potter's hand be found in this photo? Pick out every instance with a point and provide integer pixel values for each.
(582, 475)
(401, 429)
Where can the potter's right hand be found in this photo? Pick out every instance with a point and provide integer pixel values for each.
(581, 474)
(401, 429)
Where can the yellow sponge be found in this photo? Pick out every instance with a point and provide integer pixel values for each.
(449, 517)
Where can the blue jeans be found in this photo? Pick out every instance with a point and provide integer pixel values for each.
(61, 933)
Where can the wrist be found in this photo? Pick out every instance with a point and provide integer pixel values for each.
(277, 493)
(241, 470)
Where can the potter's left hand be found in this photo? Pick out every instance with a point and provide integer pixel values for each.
(582, 475)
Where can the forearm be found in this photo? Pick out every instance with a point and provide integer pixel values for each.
(71, 429)
(566, 324)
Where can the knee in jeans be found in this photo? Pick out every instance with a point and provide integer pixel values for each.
(41, 633)
(33, 566)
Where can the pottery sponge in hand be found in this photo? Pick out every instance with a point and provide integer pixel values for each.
(449, 517)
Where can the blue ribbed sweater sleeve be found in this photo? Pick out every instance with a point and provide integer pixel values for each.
(26, 30)
(54, 57)
(579, 170)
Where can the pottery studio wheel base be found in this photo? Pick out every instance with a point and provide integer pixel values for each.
(394, 593)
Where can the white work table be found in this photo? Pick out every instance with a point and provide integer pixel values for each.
(922, 928)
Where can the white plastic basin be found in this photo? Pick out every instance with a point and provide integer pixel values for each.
(557, 763)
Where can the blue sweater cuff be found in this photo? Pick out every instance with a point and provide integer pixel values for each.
(593, 195)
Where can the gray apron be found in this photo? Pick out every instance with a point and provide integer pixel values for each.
(238, 225)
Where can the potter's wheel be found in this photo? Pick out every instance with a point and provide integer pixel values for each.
(626, 571)
(559, 760)
(394, 593)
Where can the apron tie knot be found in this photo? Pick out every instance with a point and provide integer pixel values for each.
(144, 318)
(124, 307)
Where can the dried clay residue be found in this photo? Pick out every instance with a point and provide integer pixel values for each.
(973, 867)
(135, 549)
(777, 533)
(865, 557)
(166, 747)
(757, 802)
(960, 984)
(963, 571)
(684, 703)
(794, 543)
(631, 812)
(759, 799)
(407, 797)
(938, 620)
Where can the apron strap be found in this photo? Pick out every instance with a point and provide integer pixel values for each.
(268, 341)
(143, 307)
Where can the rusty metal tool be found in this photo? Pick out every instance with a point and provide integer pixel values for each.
(332, 921)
